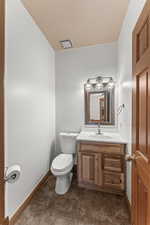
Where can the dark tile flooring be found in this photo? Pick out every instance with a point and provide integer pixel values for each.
(77, 207)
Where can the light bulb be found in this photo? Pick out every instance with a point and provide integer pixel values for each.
(111, 84)
(99, 86)
(88, 86)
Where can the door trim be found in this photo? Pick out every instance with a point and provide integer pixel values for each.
(2, 155)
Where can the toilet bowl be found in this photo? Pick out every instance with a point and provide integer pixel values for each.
(61, 168)
(62, 165)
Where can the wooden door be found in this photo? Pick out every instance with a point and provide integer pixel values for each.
(141, 120)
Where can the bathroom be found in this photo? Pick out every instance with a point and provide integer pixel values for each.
(75, 131)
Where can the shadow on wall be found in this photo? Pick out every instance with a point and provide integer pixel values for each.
(52, 153)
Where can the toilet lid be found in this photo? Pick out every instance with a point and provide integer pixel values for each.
(62, 162)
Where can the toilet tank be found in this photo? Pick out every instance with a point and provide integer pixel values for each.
(68, 142)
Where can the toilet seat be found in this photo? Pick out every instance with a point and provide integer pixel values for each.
(62, 163)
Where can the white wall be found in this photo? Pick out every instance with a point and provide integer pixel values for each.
(29, 93)
(73, 68)
(29, 102)
(125, 74)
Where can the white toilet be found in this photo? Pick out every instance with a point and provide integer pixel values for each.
(63, 163)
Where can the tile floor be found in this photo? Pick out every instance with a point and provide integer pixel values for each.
(77, 207)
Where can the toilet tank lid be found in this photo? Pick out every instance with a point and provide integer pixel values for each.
(72, 134)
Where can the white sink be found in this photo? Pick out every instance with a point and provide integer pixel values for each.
(104, 137)
(93, 134)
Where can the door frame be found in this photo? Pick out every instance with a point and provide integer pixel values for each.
(2, 151)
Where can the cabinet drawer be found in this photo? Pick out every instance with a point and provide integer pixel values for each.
(113, 163)
(113, 180)
(105, 148)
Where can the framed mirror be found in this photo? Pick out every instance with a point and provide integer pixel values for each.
(99, 105)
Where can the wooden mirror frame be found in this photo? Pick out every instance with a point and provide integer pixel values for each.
(87, 94)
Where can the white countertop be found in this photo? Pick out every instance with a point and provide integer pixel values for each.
(107, 137)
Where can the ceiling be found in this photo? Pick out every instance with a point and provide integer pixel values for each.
(85, 22)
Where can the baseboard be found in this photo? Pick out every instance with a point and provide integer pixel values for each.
(16, 216)
(128, 206)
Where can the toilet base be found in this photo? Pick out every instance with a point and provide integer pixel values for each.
(63, 183)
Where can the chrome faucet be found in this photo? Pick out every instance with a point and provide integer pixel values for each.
(99, 128)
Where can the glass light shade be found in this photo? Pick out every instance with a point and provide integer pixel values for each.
(88, 86)
(110, 84)
(99, 86)
(92, 80)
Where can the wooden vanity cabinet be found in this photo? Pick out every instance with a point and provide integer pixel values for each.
(101, 166)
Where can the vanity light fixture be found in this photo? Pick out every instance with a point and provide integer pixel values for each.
(99, 83)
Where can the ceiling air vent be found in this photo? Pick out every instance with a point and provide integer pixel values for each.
(65, 44)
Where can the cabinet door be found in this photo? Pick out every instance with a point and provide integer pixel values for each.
(90, 168)
(86, 165)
